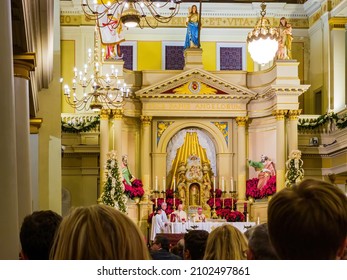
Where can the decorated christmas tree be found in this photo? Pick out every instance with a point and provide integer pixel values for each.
(295, 172)
(113, 193)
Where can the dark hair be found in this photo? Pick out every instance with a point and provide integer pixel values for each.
(37, 234)
(195, 242)
(308, 221)
(163, 241)
(259, 243)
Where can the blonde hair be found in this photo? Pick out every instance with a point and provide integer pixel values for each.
(226, 243)
(98, 232)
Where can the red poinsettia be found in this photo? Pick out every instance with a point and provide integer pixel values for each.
(269, 188)
(135, 189)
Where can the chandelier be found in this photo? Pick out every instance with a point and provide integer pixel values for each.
(131, 12)
(263, 39)
(97, 90)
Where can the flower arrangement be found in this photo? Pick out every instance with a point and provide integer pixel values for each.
(135, 189)
(225, 207)
(254, 192)
(77, 125)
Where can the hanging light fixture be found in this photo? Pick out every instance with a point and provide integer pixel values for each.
(97, 90)
(263, 39)
(131, 12)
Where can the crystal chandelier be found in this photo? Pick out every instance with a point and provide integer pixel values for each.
(97, 90)
(263, 39)
(131, 12)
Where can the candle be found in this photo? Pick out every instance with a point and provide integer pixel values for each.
(164, 184)
(258, 221)
(247, 218)
(222, 184)
(156, 183)
(232, 184)
(214, 183)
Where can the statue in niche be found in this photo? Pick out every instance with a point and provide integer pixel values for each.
(266, 169)
(181, 183)
(192, 23)
(206, 179)
(194, 194)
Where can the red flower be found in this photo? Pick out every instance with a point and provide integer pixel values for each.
(134, 190)
(269, 188)
(251, 188)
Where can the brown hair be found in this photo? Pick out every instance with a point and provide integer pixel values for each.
(98, 232)
(226, 243)
(308, 221)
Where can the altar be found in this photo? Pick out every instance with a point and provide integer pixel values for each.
(178, 227)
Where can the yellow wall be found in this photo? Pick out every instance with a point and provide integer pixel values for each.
(67, 66)
(209, 55)
(149, 55)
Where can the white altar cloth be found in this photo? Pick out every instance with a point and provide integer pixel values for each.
(177, 227)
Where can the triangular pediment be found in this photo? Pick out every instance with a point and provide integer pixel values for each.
(197, 84)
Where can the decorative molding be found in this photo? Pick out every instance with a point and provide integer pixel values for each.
(23, 64)
(35, 125)
(224, 129)
(161, 127)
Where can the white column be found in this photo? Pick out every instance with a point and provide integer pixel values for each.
(146, 153)
(280, 148)
(241, 157)
(292, 131)
(23, 150)
(104, 142)
(116, 141)
(9, 238)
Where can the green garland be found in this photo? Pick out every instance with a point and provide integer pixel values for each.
(341, 122)
(80, 126)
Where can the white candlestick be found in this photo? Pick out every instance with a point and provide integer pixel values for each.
(156, 183)
(222, 184)
(164, 184)
(214, 183)
(232, 184)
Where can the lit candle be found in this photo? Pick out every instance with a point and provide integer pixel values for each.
(222, 184)
(214, 183)
(164, 184)
(156, 183)
(258, 221)
(232, 184)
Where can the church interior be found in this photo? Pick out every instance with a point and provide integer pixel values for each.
(191, 121)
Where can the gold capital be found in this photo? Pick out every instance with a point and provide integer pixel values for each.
(279, 114)
(293, 115)
(104, 114)
(241, 121)
(146, 120)
(117, 114)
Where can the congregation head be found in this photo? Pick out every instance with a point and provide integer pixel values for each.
(98, 232)
(37, 234)
(195, 244)
(308, 221)
(259, 245)
(226, 243)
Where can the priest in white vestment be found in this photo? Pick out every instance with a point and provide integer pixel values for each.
(157, 223)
